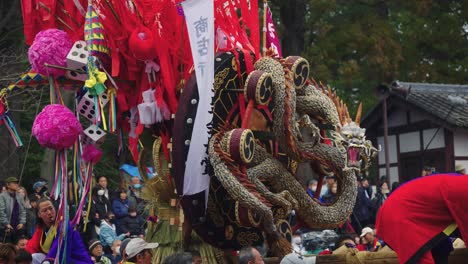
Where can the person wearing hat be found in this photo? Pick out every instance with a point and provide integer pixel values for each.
(460, 169)
(40, 188)
(12, 212)
(371, 244)
(137, 251)
(95, 250)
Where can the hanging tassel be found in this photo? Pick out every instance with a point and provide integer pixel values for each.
(12, 130)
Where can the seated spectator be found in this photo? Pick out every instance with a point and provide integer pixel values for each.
(7, 253)
(95, 250)
(134, 196)
(311, 187)
(23, 257)
(250, 255)
(370, 242)
(115, 257)
(179, 258)
(330, 197)
(120, 207)
(108, 234)
(460, 169)
(134, 224)
(21, 242)
(44, 242)
(137, 251)
(345, 240)
(101, 206)
(40, 188)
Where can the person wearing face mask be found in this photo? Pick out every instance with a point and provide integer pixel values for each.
(330, 197)
(311, 187)
(134, 224)
(296, 242)
(108, 234)
(134, 197)
(101, 206)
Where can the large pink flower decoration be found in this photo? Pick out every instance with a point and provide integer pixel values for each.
(50, 46)
(56, 127)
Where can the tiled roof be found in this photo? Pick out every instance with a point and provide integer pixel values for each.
(447, 102)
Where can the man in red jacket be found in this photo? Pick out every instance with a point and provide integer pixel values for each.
(418, 217)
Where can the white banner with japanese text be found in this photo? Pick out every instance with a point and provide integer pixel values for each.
(199, 17)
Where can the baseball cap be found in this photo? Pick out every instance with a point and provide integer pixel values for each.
(366, 230)
(137, 245)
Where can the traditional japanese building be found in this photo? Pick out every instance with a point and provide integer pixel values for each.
(427, 126)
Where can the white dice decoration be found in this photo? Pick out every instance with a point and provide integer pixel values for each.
(94, 135)
(86, 105)
(77, 59)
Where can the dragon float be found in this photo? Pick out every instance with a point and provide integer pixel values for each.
(253, 151)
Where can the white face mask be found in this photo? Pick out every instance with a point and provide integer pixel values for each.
(297, 240)
(385, 191)
(314, 188)
(133, 214)
(100, 192)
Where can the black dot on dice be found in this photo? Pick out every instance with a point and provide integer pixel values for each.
(92, 112)
(90, 116)
(104, 96)
(91, 131)
(98, 132)
(82, 111)
(87, 103)
(85, 107)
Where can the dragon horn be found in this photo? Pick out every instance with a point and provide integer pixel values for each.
(358, 114)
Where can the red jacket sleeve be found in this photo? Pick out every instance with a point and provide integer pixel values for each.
(34, 244)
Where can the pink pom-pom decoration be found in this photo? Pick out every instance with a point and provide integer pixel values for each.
(56, 127)
(91, 154)
(50, 46)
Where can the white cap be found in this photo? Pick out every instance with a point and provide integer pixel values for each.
(366, 230)
(137, 245)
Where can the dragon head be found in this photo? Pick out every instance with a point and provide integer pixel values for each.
(352, 138)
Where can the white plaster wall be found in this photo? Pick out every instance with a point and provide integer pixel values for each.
(410, 142)
(392, 150)
(437, 142)
(460, 142)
